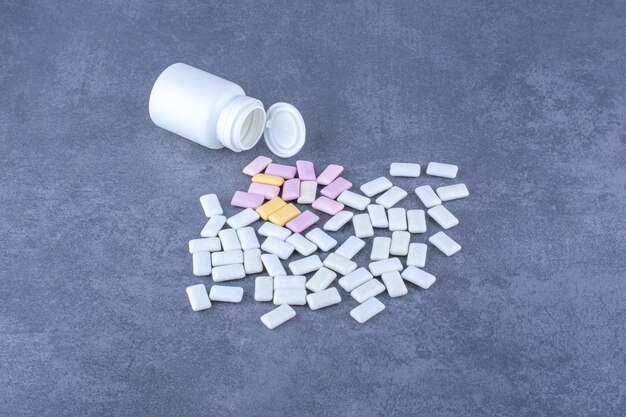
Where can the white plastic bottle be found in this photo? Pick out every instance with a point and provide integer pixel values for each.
(214, 112)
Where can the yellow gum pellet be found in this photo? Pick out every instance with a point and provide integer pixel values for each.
(284, 215)
(268, 179)
(270, 207)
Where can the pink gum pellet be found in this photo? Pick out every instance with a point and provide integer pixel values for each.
(256, 166)
(291, 189)
(306, 171)
(327, 205)
(303, 221)
(247, 200)
(336, 187)
(267, 191)
(284, 171)
(331, 172)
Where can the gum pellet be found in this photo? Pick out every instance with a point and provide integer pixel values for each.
(321, 280)
(376, 186)
(268, 179)
(400, 243)
(284, 171)
(201, 264)
(443, 216)
(437, 169)
(397, 219)
(248, 238)
(302, 245)
(339, 264)
(367, 310)
(267, 191)
(268, 229)
(272, 265)
(401, 169)
(350, 247)
(324, 298)
(291, 190)
(380, 248)
(444, 243)
(277, 247)
(452, 192)
(358, 277)
(229, 239)
(252, 261)
(283, 215)
(394, 283)
(362, 225)
(270, 207)
(321, 239)
(213, 226)
(427, 196)
(211, 205)
(305, 265)
(417, 255)
(418, 277)
(329, 174)
(335, 188)
(243, 218)
(246, 200)
(263, 288)
(353, 200)
(198, 297)
(226, 294)
(306, 170)
(378, 268)
(328, 206)
(278, 316)
(289, 281)
(416, 220)
(391, 197)
(257, 166)
(291, 296)
(228, 257)
(303, 221)
(378, 216)
(308, 190)
(228, 272)
(210, 244)
(370, 289)
(338, 221)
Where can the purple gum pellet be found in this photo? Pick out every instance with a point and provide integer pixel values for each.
(331, 172)
(247, 200)
(336, 187)
(284, 171)
(306, 171)
(256, 166)
(267, 191)
(291, 189)
(327, 205)
(303, 221)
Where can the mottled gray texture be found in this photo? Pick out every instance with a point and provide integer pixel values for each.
(97, 205)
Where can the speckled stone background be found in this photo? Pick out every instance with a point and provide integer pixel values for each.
(97, 205)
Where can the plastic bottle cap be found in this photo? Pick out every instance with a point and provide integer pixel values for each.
(284, 130)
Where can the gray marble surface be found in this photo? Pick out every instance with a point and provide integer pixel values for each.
(97, 205)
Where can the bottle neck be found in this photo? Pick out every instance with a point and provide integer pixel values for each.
(241, 123)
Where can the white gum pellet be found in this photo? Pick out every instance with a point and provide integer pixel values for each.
(321, 279)
(380, 248)
(443, 216)
(370, 289)
(268, 229)
(213, 226)
(354, 279)
(417, 255)
(248, 238)
(418, 277)
(226, 294)
(308, 189)
(278, 316)
(228, 272)
(201, 264)
(321, 239)
(376, 186)
(209, 244)
(353, 200)
(444, 243)
(397, 219)
(338, 221)
(264, 289)
(350, 247)
(228, 257)
(452, 192)
(391, 197)
(272, 265)
(277, 247)
(302, 245)
(323, 298)
(380, 267)
(400, 243)
(211, 205)
(367, 310)
(339, 264)
(297, 282)
(292, 296)
(243, 218)
(198, 297)
(427, 196)
(229, 239)
(401, 169)
(394, 283)
(378, 216)
(362, 225)
(305, 265)
(416, 220)
(437, 169)
(252, 263)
